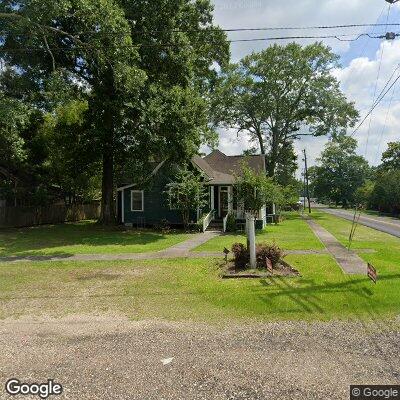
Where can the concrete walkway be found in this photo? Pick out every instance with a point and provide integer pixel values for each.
(349, 261)
(195, 241)
(179, 250)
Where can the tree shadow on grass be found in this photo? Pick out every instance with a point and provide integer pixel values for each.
(307, 298)
(34, 240)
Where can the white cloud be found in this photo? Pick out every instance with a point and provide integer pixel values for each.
(358, 82)
(357, 78)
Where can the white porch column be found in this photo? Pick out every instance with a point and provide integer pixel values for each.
(123, 206)
(212, 197)
(230, 199)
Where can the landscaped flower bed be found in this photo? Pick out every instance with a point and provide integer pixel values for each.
(269, 259)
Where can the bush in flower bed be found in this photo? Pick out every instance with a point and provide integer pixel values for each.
(241, 255)
(264, 251)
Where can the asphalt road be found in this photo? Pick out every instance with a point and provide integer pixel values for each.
(384, 224)
(113, 358)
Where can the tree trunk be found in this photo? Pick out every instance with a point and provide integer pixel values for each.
(107, 216)
(262, 149)
(272, 158)
(185, 219)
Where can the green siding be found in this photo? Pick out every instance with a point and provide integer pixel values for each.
(155, 205)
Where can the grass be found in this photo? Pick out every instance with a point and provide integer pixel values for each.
(85, 237)
(292, 234)
(191, 289)
(184, 289)
(387, 247)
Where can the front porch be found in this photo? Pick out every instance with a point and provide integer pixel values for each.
(222, 201)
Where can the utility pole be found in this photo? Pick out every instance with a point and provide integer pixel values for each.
(306, 180)
(304, 191)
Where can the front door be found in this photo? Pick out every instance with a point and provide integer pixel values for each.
(223, 201)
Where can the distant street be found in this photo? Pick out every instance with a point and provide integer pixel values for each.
(384, 224)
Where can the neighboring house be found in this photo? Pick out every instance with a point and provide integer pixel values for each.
(147, 205)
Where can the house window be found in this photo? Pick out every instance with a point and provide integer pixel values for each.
(137, 200)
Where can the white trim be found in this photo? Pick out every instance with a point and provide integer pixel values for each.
(230, 199)
(123, 206)
(212, 203)
(219, 201)
(155, 170)
(137, 191)
(125, 187)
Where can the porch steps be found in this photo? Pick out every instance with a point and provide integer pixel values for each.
(215, 226)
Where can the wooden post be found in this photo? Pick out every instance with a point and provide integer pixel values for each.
(252, 240)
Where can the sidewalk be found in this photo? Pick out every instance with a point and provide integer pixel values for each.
(348, 261)
(180, 250)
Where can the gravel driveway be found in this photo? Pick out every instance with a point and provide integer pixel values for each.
(112, 358)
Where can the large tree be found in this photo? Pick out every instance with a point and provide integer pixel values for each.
(339, 171)
(280, 94)
(391, 157)
(145, 69)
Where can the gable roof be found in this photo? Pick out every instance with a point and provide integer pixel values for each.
(218, 168)
(222, 169)
(156, 168)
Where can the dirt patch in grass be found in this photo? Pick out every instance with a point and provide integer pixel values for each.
(107, 274)
(284, 269)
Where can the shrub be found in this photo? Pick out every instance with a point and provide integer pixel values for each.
(241, 255)
(266, 251)
(231, 223)
(194, 227)
(163, 226)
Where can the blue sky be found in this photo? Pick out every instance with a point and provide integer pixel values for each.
(359, 60)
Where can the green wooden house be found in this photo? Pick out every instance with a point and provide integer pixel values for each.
(147, 205)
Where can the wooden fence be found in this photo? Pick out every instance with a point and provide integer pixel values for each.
(55, 214)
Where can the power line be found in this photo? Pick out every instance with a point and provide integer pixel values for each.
(282, 28)
(337, 37)
(375, 105)
(385, 124)
(376, 84)
(361, 54)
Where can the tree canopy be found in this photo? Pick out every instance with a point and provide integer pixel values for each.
(143, 68)
(280, 94)
(339, 171)
(391, 157)
(255, 190)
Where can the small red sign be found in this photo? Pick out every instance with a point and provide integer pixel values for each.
(372, 274)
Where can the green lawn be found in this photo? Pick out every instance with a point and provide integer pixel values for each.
(292, 234)
(184, 289)
(85, 237)
(387, 255)
(192, 290)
